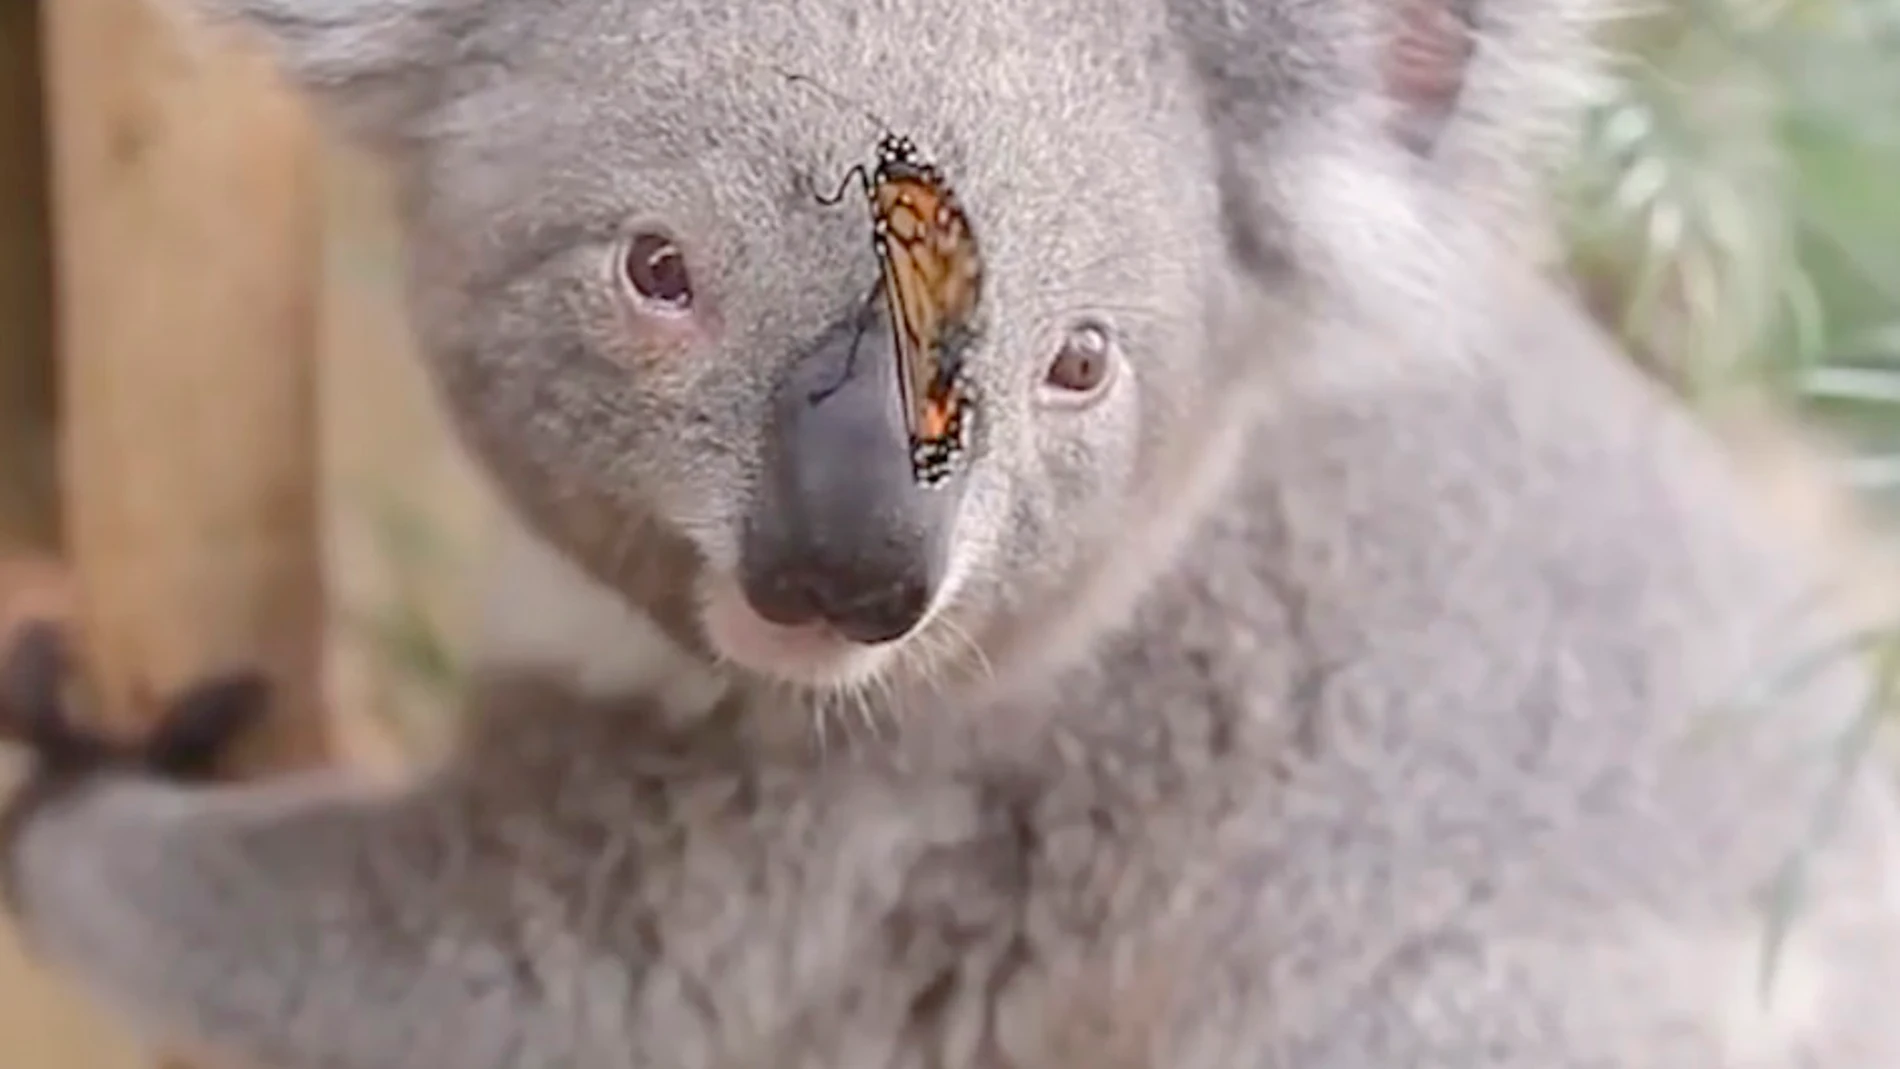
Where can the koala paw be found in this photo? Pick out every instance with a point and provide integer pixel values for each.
(193, 732)
(195, 728)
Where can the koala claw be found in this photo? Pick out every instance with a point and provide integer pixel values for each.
(197, 727)
(33, 703)
(201, 723)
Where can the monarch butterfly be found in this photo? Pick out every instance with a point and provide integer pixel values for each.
(931, 276)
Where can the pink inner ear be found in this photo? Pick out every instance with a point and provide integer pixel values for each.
(1424, 67)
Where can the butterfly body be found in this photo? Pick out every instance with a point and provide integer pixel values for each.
(931, 277)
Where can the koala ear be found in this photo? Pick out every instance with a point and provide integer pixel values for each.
(1426, 52)
(374, 66)
(1491, 92)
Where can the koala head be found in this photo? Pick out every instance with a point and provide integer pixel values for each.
(681, 366)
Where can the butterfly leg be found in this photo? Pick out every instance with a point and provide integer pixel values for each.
(851, 358)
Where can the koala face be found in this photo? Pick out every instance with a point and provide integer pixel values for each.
(639, 311)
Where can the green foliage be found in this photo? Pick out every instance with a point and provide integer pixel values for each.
(1735, 214)
(400, 633)
(1736, 207)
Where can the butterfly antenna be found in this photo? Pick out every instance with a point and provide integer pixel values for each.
(857, 172)
(838, 98)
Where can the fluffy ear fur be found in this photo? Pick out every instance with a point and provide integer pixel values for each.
(375, 66)
(1417, 144)
(1423, 67)
(1324, 114)
(1530, 71)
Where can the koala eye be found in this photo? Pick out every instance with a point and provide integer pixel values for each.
(656, 269)
(1083, 365)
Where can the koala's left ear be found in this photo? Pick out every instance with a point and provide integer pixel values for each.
(1491, 93)
(375, 66)
(1427, 50)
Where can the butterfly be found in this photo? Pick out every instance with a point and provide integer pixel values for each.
(931, 277)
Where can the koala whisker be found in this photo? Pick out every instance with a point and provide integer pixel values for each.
(838, 704)
(931, 656)
(870, 694)
(822, 711)
(960, 636)
(933, 669)
(843, 703)
(817, 719)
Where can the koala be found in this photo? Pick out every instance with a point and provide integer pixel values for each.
(1312, 663)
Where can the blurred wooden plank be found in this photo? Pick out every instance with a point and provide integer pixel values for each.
(188, 249)
(28, 509)
(42, 1022)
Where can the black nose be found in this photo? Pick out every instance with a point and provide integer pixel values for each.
(839, 530)
(860, 610)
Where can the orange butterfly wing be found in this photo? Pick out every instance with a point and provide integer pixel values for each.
(931, 280)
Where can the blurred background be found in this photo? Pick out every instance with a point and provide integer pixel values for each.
(201, 297)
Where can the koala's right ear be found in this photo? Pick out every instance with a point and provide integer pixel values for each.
(375, 66)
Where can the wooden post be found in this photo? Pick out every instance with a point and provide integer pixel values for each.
(187, 231)
(28, 509)
(42, 1022)
(188, 247)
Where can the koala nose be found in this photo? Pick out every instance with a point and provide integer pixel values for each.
(810, 590)
(839, 530)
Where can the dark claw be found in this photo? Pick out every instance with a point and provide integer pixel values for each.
(198, 725)
(33, 705)
(201, 723)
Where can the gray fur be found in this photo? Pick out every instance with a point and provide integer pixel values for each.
(1317, 699)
